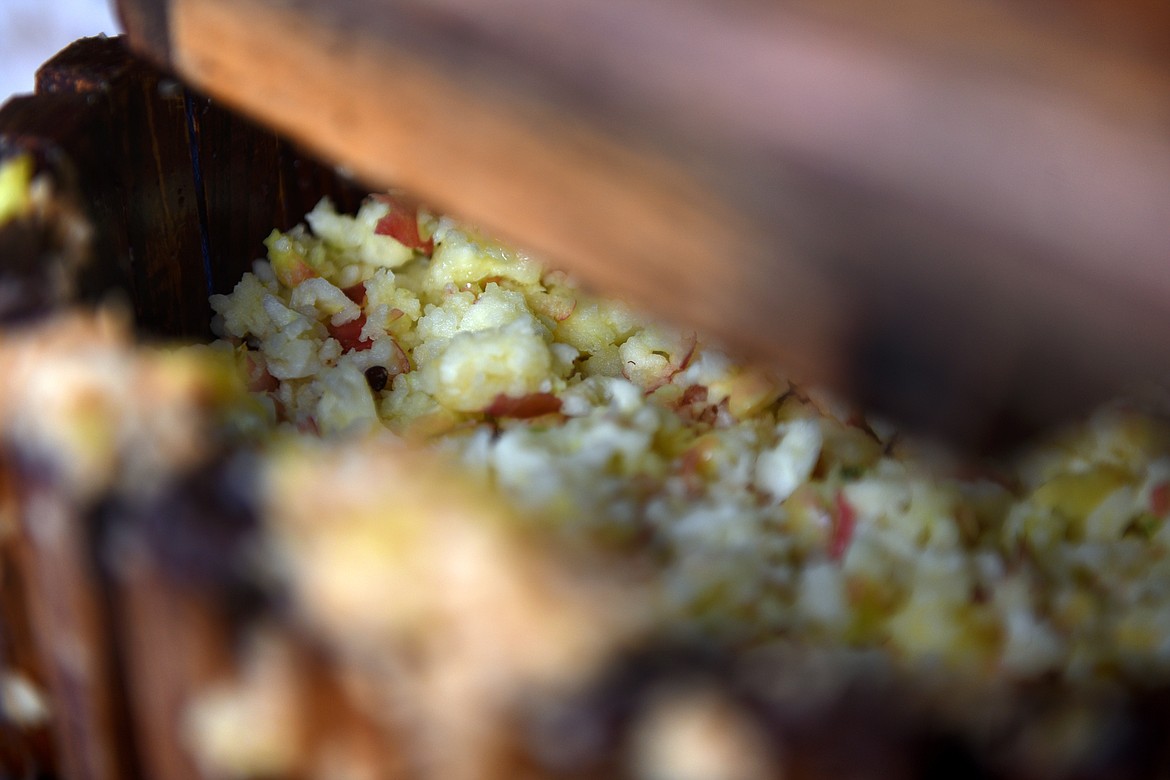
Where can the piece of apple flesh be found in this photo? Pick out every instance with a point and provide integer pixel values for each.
(651, 357)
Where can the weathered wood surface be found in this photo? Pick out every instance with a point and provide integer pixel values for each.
(73, 633)
(177, 191)
(956, 210)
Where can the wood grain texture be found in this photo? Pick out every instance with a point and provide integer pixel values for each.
(251, 182)
(113, 140)
(73, 634)
(176, 192)
(784, 175)
(67, 135)
(178, 645)
(25, 748)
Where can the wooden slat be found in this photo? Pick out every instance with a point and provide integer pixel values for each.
(60, 259)
(113, 139)
(252, 182)
(178, 192)
(784, 175)
(73, 634)
(176, 646)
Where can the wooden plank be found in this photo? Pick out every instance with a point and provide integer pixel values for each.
(111, 134)
(73, 634)
(26, 739)
(78, 249)
(782, 175)
(253, 181)
(162, 205)
(177, 191)
(177, 645)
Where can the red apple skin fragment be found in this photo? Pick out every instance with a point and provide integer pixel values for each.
(293, 272)
(356, 293)
(844, 523)
(349, 334)
(524, 407)
(401, 224)
(1160, 499)
(400, 364)
(258, 378)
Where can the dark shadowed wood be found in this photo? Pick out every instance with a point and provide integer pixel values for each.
(68, 135)
(111, 134)
(177, 191)
(252, 182)
(162, 207)
(91, 66)
(781, 174)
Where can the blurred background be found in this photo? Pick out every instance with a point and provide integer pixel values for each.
(31, 31)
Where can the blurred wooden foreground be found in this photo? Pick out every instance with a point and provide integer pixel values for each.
(955, 211)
